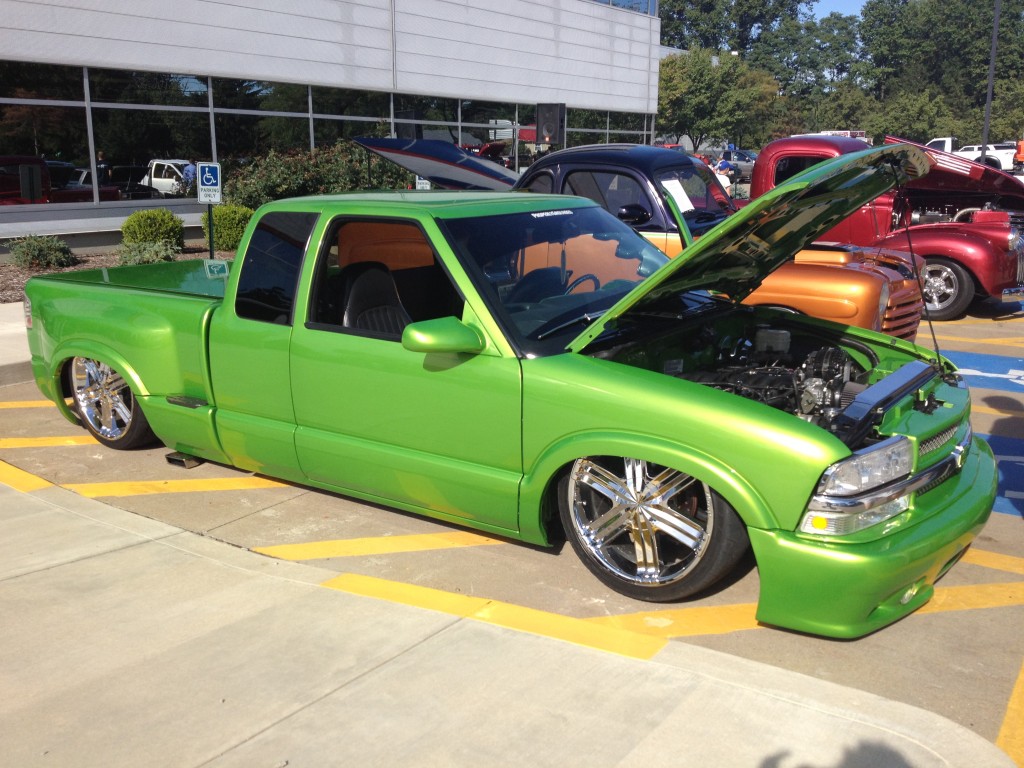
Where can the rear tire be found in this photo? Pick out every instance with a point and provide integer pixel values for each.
(106, 405)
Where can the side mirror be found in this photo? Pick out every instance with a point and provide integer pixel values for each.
(445, 334)
(634, 214)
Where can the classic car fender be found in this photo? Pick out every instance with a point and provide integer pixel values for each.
(993, 268)
(547, 469)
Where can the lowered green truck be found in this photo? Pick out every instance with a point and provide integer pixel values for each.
(529, 366)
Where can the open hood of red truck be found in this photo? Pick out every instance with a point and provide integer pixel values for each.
(953, 173)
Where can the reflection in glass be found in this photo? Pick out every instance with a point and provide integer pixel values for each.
(136, 136)
(344, 101)
(21, 80)
(56, 133)
(115, 86)
(242, 136)
(259, 94)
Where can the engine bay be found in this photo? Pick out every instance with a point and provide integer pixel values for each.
(805, 371)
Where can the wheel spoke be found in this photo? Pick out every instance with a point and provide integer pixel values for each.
(599, 479)
(676, 526)
(645, 544)
(667, 484)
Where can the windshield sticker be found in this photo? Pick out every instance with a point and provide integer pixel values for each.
(675, 188)
(543, 214)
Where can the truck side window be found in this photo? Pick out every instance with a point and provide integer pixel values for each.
(270, 269)
(374, 277)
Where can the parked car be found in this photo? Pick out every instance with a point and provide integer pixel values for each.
(743, 162)
(964, 219)
(166, 177)
(127, 179)
(27, 179)
(998, 155)
(870, 288)
(529, 366)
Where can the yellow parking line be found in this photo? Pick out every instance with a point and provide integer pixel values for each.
(686, 622)
(975, 596)
(1013, 412)
(146, 487)
(377, 545)
(1011, 735)
(500, 614)
(46, 442)
(1011, 342)
(998, 562)
(26, 404)
(20, 480)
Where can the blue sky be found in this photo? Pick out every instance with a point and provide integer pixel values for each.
(845, 7)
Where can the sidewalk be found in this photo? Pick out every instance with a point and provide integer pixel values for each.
(14, 356)
(129, 642)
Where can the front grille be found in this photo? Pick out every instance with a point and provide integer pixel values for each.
(903, 314)
(937, 441)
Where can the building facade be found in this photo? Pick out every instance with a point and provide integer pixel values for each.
(203, 80)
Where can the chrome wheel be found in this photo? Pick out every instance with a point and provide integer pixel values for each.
(106, 405)
(649, 531)
(947, 289)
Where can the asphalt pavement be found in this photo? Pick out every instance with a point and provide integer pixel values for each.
(129, 642)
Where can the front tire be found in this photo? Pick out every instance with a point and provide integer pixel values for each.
(106, 405)
(647, 531)
(948, 289)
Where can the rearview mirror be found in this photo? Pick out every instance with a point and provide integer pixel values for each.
(445, 334)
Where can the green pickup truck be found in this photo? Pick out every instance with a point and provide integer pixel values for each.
(529, 366)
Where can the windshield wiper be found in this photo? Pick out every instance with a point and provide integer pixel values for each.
(586, 316)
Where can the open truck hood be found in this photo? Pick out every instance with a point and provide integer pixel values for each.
(955, 173)
(441, 163)
(735, 256)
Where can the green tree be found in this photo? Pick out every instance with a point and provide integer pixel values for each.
(707, 97)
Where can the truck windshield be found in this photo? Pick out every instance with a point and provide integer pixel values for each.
(547, 274)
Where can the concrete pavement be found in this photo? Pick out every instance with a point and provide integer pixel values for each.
(129, 642)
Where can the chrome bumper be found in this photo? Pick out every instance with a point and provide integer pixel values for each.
(1013, 294)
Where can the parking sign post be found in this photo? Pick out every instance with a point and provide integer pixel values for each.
(208, 185)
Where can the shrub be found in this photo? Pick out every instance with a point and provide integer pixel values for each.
(146, 253)
(154, 225)
(228, 225)
(41, 252)
(341, 167)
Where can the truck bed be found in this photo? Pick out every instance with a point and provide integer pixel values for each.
(196, 277)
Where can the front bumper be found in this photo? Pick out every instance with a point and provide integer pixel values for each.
(848, 590)
(1013, 294)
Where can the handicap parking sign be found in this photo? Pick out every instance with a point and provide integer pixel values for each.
(208, 182)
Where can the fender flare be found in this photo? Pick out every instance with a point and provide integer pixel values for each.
(752, 508)
(93, 350)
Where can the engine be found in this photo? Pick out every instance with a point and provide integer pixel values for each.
(815, 385)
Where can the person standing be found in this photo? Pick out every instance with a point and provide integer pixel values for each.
(102, 168)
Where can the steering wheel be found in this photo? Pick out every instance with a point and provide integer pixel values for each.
(582, 279)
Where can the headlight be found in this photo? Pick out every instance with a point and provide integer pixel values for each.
(1014, 238)
(850, 498)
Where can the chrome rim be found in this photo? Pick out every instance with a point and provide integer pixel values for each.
(103, 398)
(940, 286)
(645, 523)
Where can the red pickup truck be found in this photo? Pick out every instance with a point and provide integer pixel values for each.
(27, 179)
(963, 218)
